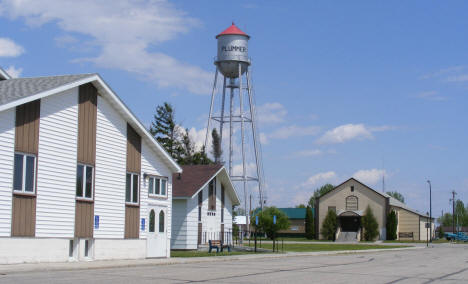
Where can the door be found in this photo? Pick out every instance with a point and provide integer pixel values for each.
(156, 239)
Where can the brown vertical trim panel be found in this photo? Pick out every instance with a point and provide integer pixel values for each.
(86, 154)
(133, 150)
(84, 219)
(23, 219)
(200, 233)
(132, 212)
(87, 116)
(132, 215)
(27, 127)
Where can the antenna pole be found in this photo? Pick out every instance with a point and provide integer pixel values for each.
(213, 93)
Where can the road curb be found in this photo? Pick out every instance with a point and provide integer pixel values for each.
(105, 264)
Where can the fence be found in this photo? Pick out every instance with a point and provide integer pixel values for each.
(226, 237)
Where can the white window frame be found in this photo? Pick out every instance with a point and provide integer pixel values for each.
(132, 174)
(84, 183)
(161, 179)
(23, 177)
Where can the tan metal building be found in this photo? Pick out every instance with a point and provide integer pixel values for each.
(351, 198)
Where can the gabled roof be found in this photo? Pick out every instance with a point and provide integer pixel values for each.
(195, 177)
(392, 201)
(15, 92)
(295, 213)
(4, 75)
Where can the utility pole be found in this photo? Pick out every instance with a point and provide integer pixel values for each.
(430, 209)
(453, 210)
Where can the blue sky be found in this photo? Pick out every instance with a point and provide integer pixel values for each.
(343, 88)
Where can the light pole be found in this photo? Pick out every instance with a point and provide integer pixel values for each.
(430, 209)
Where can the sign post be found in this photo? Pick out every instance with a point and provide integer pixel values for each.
(256, 225)
(274, 223)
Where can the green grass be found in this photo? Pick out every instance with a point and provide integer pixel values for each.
(327, 247)
(439, 241)
(194, 253)
(293, 239)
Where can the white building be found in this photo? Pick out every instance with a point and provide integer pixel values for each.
(80, 176)
(202, 204)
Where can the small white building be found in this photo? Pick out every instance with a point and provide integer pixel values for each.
(80, 177)
(202, 204)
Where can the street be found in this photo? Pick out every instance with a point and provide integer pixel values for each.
(443, 263)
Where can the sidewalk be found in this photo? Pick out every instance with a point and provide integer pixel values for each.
(42, 267)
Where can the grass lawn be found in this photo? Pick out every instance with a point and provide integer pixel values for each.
(439, 241)
(326, 247)
(289, 239)
(190, 253)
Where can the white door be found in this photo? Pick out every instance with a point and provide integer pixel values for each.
(156, 240)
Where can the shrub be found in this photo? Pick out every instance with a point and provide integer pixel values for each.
(309, 224)
(392, 223)
(329, 226)
(370, 225)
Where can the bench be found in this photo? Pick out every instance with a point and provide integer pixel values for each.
(218, 245)
(406, 235)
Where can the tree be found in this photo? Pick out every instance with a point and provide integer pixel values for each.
(309, 224)
(440, 232)
(200, 158)
(217, 150)
(324, 189)
(300, 206)
(188, 150)
(370, 225)
(392, 223)
(329, 226)
(164, 129)
(397, 196)
(265, 221)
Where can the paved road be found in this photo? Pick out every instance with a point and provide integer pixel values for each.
(441, 264)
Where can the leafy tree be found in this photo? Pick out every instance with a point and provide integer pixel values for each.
(324, 189)
(392, 223)
(265, 221)
(300, 206)
(397, 196)
(440, 232)
(164, 129)
(370, 225)
(200, 158)
(329, 226)
(217, 150)
(309, 224)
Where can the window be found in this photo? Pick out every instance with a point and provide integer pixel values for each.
(152, 221)
(222, 203)
(212, 195)
(352, 203)
(161, 221)
(24, 176)
(84, 181)
(132, 188)
(157, 187)
(352, 188)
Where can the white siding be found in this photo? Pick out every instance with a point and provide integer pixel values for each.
(151, 164)
(56, 171)
(7, 148)
(111, 154)
(192, 222)
(179, 226)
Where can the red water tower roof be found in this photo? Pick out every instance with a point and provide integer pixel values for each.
(233, 30)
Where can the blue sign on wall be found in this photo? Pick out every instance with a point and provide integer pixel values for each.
(256, 220)
(142, 224)
(96, 221)
(274, 219)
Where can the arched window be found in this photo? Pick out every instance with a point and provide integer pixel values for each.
(161, 221)
(152, 221)
(351, 203)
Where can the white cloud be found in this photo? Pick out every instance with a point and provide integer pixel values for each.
(263, 138)
(293, 131)
(196, 136)
(126, 34)
(308, 153)
(319, 179)
(13, 71)
(444, 71)
(250, 169)
(458, 78)
(8, 48)
(370, 177)
(271, 113)
(345, 133)
(430, 95)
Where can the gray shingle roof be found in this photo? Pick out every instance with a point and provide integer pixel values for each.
(14, 89)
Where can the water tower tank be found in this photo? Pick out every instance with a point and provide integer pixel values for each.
(232, 50)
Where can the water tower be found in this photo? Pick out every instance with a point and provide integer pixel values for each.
(233, 63)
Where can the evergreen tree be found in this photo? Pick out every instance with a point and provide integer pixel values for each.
(164, 130)
(188, 150)
(200, 158)
(370, 225)
(392, 223)
(309, 224)
(329, 226)
(324, 189)
(397, 196)
(217, 150)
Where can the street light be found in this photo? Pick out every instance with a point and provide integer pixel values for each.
(430, 209)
